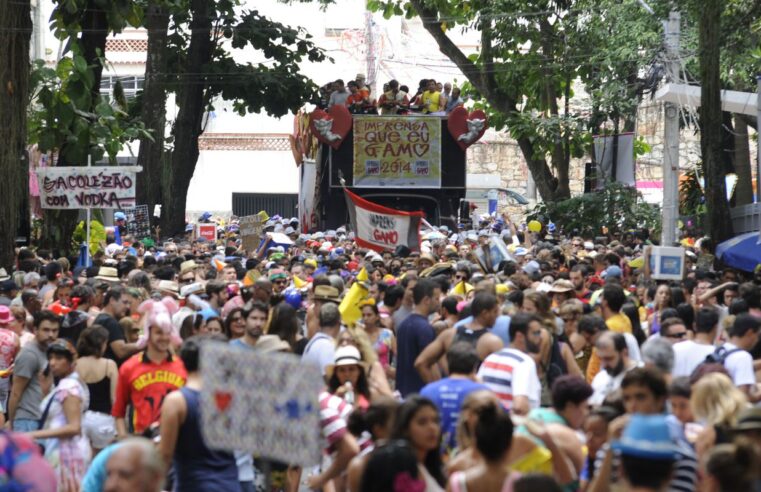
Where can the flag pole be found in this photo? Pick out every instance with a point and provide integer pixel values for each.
(87, 239)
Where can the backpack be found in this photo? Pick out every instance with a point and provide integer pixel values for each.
(719, 356)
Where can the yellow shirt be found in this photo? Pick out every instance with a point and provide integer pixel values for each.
(430, 101)
(618, 323)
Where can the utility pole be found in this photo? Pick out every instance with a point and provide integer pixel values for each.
(671, 136)
(758, 145)
(370, 50)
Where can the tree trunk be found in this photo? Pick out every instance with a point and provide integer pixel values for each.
(718, 223)
(744, 190)
(151, 154)
(15, 35)
(191, 101)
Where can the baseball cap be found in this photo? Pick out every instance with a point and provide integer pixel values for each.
(648, 437)
(612, 271)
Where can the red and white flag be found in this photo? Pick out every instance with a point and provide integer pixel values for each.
(381, 228)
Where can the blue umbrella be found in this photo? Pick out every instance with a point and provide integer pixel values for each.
(743, 252)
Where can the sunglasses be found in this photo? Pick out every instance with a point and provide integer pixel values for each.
(188, 280)
(459, 277)
(280, 282)
(235, 319)
(677, 335)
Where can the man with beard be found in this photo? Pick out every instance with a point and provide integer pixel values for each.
(511, 372)
(614, 362)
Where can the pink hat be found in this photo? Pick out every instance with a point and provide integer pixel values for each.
(235, 302)
(5, 315)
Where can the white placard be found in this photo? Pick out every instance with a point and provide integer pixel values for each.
(266, 404)
(666, 263)
(87, 187)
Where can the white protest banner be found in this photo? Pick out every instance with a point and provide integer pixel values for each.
(265, 404)
(666, 263)
(87, 187)
(381, 228)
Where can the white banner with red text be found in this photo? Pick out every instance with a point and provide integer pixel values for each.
(381, 228)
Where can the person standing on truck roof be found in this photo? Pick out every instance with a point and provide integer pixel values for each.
(431, 99)
(394, 100)
(339, 95)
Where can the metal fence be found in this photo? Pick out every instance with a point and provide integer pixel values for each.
(283, 204)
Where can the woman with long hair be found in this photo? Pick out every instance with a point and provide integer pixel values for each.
(717, 402)
(661, 301)
(571, 312)
(286, 325)
(347, 378)
(631, 312)
(382, 339)
(376, 422)
(100, 375)
(235, 324)
(66, 447)
(376, 377)
(417, 421)
(494, 434)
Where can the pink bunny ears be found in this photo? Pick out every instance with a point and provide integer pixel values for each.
(158, 313)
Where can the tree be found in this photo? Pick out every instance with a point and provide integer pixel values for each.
(531, 54)
(204, 71)
(718, 221)
(70, 117)
(15, 35)
(153, 105)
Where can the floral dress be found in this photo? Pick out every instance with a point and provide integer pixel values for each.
(71, 456)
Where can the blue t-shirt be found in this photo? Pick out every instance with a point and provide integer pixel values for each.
(412, 336)
(448, 395)
(501, 327)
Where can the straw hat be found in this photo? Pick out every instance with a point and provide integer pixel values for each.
(326, 293)
(109, 274)
(348, 355)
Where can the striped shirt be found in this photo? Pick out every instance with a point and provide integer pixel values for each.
(333, 414)
(510, 373)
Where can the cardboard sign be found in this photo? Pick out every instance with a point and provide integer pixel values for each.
(251, 227)
(493, 253)
(138, 221)
(87, 187)
(266, 404)
(397, 152)
(666, 263)
(207, 231)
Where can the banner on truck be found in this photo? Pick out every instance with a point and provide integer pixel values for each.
(397, 152)
(381, 228)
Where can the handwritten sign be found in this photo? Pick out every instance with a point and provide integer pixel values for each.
(266, 404)
(251, 227)
(138, 221)
(381, 228)
(87, 187)
(397, 151)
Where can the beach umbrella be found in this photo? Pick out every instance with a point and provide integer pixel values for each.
(742, 252)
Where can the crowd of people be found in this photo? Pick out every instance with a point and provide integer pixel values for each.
(565, 367)
(431, 97)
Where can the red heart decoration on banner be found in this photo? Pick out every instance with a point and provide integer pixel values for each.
(332, 133)
(223, 400)
(458, 126)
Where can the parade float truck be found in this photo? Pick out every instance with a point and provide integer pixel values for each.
(409, 163)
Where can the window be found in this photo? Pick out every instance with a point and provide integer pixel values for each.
(130, 83)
